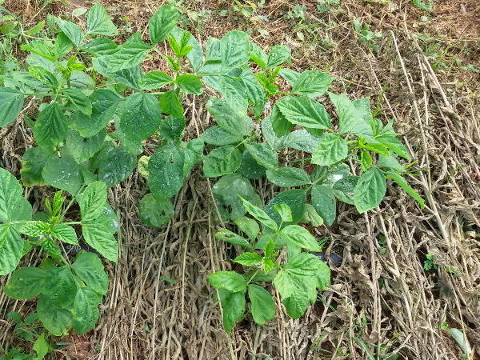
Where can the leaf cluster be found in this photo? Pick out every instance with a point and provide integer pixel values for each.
(275, 254)
(97, 113)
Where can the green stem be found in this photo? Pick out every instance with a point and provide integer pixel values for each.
(254, 274)
(39, 94)
(72, 200)
(72, 223)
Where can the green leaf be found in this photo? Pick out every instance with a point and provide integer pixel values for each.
(329, 175)
(344, 189)
(263, 154)
(129, 55)
(229, 189)
(304, 111)
(301, 237)
(115, 165)
(82, 149)
(370, 190)
(405, 186)
(155, 80)
(299, 276)
(248, 259)
(171, 128)
(141, 116)
(234, 49)
(279, 123)
(312, 83)
(350, 118)
(459, 335)
(279, 54)
(263, 306)
(92, 201)
(162, 23)
(254, 91)
(295, 199)
(80, 80)
(51, 127)
(191, 84)
(130, 77)
(284, 211)
(296, 305)
(109, 219)
(232, 86)
(64, 233)
(100, 46)
(393, 144)
(51, 248)
(230, 116)
(323, 276)
(288, 176)
(232, 238)
(310, 216)
(390, 162)
(323, 200)
(258, 56)
(195, 55)
(79, 100)
(170, 104)
(45, 76)
(260, 215)
(99, 237)
(290, 75)
(35, 228)
(331, 149)
(13, 206)
(71, 30)
(26, 283)
(301, 140)
(248, 226)
(222, 161)
(218, 136)
(99, 23)
(41, 347)
(233, 307)
(56, 299)
(250, 168)
(89, 268)
(85, 310)
(63, 45)
(227, 280)
(155, 212)
(63, 173)
(34, 30)
(55, 319)
(11, 248)
(284, 282)
(33, 161)
(104, 104)
(166, 171)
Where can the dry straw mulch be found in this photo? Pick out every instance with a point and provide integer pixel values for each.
(381, 298)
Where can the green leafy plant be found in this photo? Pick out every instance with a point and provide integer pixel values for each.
(366, 36)
(245, 144)
(273, 255)
(68, 294)
(97, 108)
(93, 111)
(31, 330)
(329, 5)
(429, 263)
(425, 5)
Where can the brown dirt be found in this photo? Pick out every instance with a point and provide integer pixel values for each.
(381, 297)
